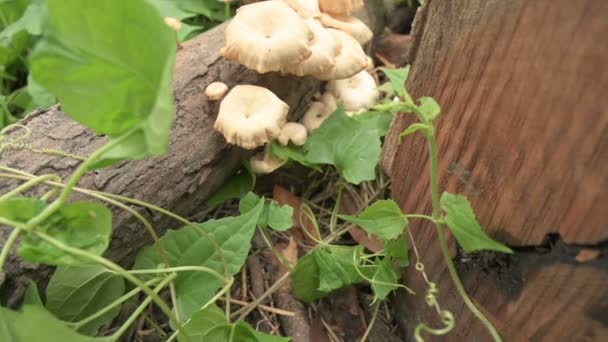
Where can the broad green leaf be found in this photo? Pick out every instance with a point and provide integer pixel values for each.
(169, 8)
(336, 268)
(40, 97)
(383, 219)
(111, 73)
(187, 246)
(429, 107)
(31, 21)
(13, 38)
(397, 249)
(397, 77)
(21, 209)
(377, 121)
(461, 220)
(210, 324)
(426, 130)
(34, 323)
(385, 280)
(77, 292)
(277, 217)
(32, 296)
(237, 186)
(83, 225)
(211, 9)
(348, 144)
(305, 278)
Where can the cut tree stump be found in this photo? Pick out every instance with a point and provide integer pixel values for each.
(198, 162)
(524, 135)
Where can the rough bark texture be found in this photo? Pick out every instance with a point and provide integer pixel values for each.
(523, 134)
(198, 162)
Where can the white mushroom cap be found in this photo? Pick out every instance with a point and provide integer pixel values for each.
(340, 6)
(265, 36)
(348, 24)
(263, 163)
(351, 59)
(324, 51)
(216, 90)
(315, 115)
(305, 8)
(173, 23)
(294, 132)
(356, 93)
(251, 116)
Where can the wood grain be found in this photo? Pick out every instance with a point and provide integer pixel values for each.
(524, 135)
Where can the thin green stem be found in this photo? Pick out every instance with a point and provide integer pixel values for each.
(8, 245)
(426, 217)
(334, 215)
(434, 155)
(122, 299)
(371, 322)
(141, 307)
(116, 268)
(28, 185)
(67, 190)
(181, 269)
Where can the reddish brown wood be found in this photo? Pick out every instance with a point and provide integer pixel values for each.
(524, 135)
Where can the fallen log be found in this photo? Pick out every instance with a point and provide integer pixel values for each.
(198, 162)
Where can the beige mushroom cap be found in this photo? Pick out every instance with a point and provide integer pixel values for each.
(324, 48)
(216, 90)
(173, 23)
(294, 132)
(351, 59)
(265, 36)
(356, 93)
(318, 112)
(340, 6)
(251, 116)
(348, 24)
(305, 8)
(264, 163)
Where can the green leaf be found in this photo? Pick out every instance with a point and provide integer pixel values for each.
(336, 268)
(378, 122)
(385, 280)
(461, 220)
(211, 9)
(14, 40)
(426, 130)
(32, 296)
(83, 225)
(187, 246)
(34, 323)
(210, 324)
(111, 72)
(292, 152)
(305, 278)
(429, 108)
(40, 97)
(277, 217)
(397, 249)
(383, 219)
(348, 144)
(237, 186)
(21, 209)
(77, 292)
(397, 78)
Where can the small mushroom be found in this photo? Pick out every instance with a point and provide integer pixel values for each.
(176, 25)
(251, 116)
(351, 59)
(340, 6)
(305, 8)
(294, 132)
(216, 90)
(356, 93)
(265, 36)
(324, 50)
(348, 24)
(264, 163)
(318, 112)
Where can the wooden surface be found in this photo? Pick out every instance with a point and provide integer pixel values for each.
(524, 135)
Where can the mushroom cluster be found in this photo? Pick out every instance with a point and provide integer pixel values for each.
(315, 38)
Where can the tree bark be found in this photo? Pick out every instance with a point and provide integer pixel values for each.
(198, 162)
